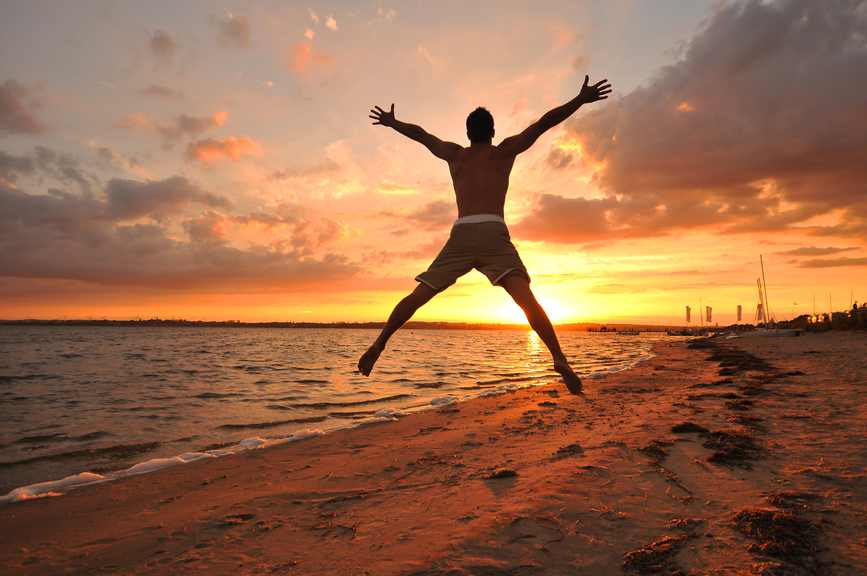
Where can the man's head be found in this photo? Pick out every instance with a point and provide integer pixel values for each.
(480, 126)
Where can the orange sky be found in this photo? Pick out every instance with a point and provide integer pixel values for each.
(165, 159)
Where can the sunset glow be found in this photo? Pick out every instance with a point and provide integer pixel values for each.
(179, 160)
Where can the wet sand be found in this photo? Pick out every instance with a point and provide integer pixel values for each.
(770, 440)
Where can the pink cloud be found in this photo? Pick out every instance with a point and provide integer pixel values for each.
(210, 149)
(302, 59)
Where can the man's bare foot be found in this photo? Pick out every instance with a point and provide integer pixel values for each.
(369, 358)
(573, 383)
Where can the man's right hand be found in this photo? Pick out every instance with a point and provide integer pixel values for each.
(382, 117)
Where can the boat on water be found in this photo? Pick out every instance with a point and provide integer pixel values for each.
(763, 312)
(629, 333)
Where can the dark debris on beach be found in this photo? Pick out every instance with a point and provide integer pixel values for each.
(658, 557)
(778, 533)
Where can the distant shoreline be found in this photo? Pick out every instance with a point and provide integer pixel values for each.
(415, 325)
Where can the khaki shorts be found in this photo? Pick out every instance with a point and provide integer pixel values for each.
(485, 246)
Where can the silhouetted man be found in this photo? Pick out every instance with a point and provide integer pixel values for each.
(479, 238)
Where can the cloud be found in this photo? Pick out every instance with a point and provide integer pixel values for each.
(184, 125)
(813, 251)
(59, 235)
(558, 159)
(130, 199)
(313, 16)
(12, 166)
(762, 120)
(235, 31)
(435, 215)
(162, 46)
(45, 162)
(161, 92)
(302, 59)
(134, 121)
(15, 117)
(209, 226)
(210, 149)
(580, 63)
(331, 23)
(833, 263)
(559, 219)
(192, 125)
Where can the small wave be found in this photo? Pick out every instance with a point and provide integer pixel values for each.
(431, 385)
(257, 425)
(352, 415)
(45, 438)
(209, 395)
(92, 436)
(72, 355)
(111, 452)
(355, 403)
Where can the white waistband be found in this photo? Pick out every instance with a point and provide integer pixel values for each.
(479, 218)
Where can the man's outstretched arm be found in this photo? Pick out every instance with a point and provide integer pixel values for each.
(514, 145)
(444, 150)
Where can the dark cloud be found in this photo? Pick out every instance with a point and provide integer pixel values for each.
(833, 263)
(762, 120)
(558, 159)
(12, 166)
(125, 200)
(15, 117)
(435, 215)
(161, 92)
(162, 46)
(129, 199)
(64, 168)
(233, 31)
(59, 235)
(184, 125)
(191, 125)
(814, 251)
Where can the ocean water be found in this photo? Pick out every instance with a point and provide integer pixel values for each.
(106, 399)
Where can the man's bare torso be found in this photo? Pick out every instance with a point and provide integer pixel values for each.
(480, 174)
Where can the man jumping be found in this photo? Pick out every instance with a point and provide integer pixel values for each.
(479, 238)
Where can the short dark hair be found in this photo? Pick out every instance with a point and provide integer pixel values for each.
(480, 125)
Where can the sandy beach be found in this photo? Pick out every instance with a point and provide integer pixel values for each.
(732, 457)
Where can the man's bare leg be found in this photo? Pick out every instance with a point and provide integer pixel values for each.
(399, 316)
(518, 288)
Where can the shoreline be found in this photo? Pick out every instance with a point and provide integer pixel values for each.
(37, 472)
(534, 478)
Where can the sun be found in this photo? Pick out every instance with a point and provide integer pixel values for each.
(511, 312)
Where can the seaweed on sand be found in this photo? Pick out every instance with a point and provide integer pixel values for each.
(739, 404)
(657, 556)
(791, 498)
(657, 449)
(778, 533)
(685, 427)
(733, 448)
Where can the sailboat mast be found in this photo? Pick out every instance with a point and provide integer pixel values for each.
(762, 302)
(765, 283)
